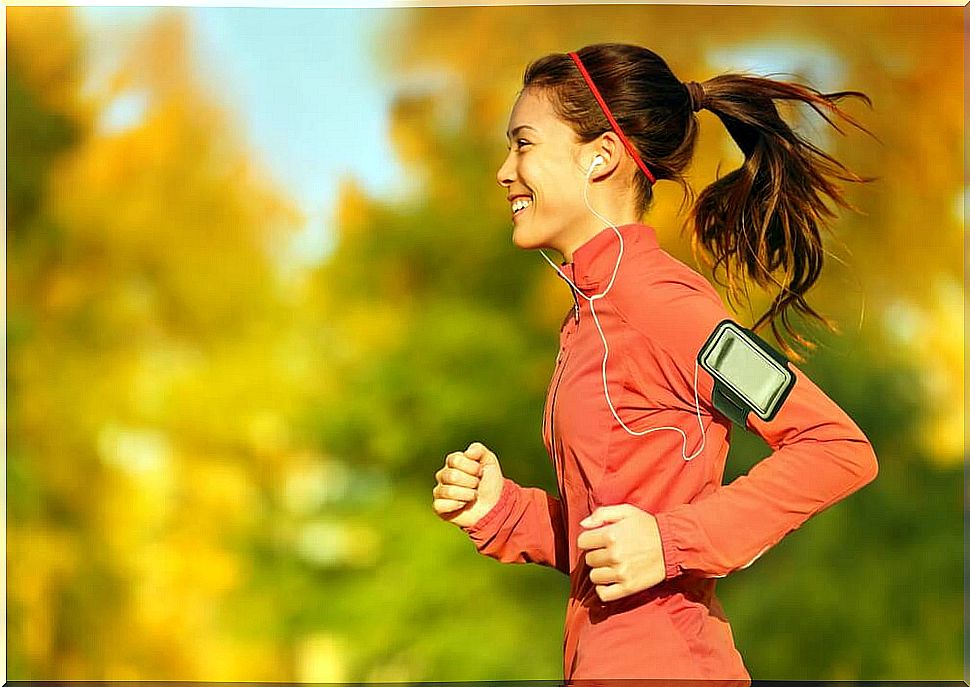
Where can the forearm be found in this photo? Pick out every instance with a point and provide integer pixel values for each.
(819, 458)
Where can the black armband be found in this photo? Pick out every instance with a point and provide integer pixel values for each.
(749, 375)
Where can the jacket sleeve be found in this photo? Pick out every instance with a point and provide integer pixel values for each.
(819, 457)
(525, 526)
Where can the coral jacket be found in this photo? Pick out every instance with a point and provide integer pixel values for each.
(655, 318)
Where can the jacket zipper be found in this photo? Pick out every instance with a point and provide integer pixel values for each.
(552, 418)
(560, 369)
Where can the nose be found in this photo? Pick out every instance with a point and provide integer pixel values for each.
(506, 173)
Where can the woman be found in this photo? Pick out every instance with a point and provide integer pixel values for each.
(636, 432)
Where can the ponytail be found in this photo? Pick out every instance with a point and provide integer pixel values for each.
(759, 221)
(765, 217)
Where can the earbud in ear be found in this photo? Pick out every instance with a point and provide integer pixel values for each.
(598, 160)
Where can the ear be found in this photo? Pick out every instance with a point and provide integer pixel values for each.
(609, 147)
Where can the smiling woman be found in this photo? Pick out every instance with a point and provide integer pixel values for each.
(544, 177)
(637, 435)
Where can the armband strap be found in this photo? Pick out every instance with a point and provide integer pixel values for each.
(749, 375)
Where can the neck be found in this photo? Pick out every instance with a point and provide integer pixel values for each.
(591, 228)
(615, 203)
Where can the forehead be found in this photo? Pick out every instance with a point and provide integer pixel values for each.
(534, 109)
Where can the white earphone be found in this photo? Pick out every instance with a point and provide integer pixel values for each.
(598, 160)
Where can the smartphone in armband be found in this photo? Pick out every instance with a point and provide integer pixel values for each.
(749, 375)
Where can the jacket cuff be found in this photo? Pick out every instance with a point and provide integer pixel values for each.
(669, 544)
(481, 530)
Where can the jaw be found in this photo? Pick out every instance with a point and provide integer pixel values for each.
(527, 235)
(524, 238)
(535, 230)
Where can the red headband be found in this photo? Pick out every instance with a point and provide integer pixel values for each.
(609, 115)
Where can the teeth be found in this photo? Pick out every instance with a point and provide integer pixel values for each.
(521, 204)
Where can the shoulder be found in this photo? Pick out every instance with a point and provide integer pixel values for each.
(668, 302)
(670, 310)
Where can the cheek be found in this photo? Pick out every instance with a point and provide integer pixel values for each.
(548, 181)
(563, 191)
(530, 172)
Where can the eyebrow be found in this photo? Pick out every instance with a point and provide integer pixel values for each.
(519, 128)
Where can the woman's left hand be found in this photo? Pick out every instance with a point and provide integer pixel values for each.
(623, 550)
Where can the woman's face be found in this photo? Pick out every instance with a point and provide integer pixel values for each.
(544, 175)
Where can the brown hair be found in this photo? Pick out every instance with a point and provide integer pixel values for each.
(763, 217)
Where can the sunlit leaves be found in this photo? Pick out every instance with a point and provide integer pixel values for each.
(217, 474)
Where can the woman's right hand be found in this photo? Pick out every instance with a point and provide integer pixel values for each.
(468, 486)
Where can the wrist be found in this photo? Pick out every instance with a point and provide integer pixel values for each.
(671, 557)
(501, 507)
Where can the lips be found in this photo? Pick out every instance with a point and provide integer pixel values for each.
(520, 203)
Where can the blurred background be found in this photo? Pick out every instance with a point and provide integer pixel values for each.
(260, 281)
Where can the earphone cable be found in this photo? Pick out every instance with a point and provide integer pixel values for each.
(606, 348)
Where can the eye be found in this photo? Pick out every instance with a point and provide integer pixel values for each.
(522, 142)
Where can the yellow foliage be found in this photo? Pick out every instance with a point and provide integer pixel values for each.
(40, 561)
(321, 658)
(45, 45)
(159, 376)
(353, 211)
(941, 344)
(378, 328)
(131, 409)
(219, 490)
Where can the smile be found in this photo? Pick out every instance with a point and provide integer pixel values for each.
(520, 204)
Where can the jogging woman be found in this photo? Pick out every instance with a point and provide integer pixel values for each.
(648, 380)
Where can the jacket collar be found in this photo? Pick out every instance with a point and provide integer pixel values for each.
(594, 261)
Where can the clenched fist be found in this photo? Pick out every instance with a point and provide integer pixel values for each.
(468, 486)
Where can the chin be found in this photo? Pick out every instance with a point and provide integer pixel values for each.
(519, 240)
(526, 240)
